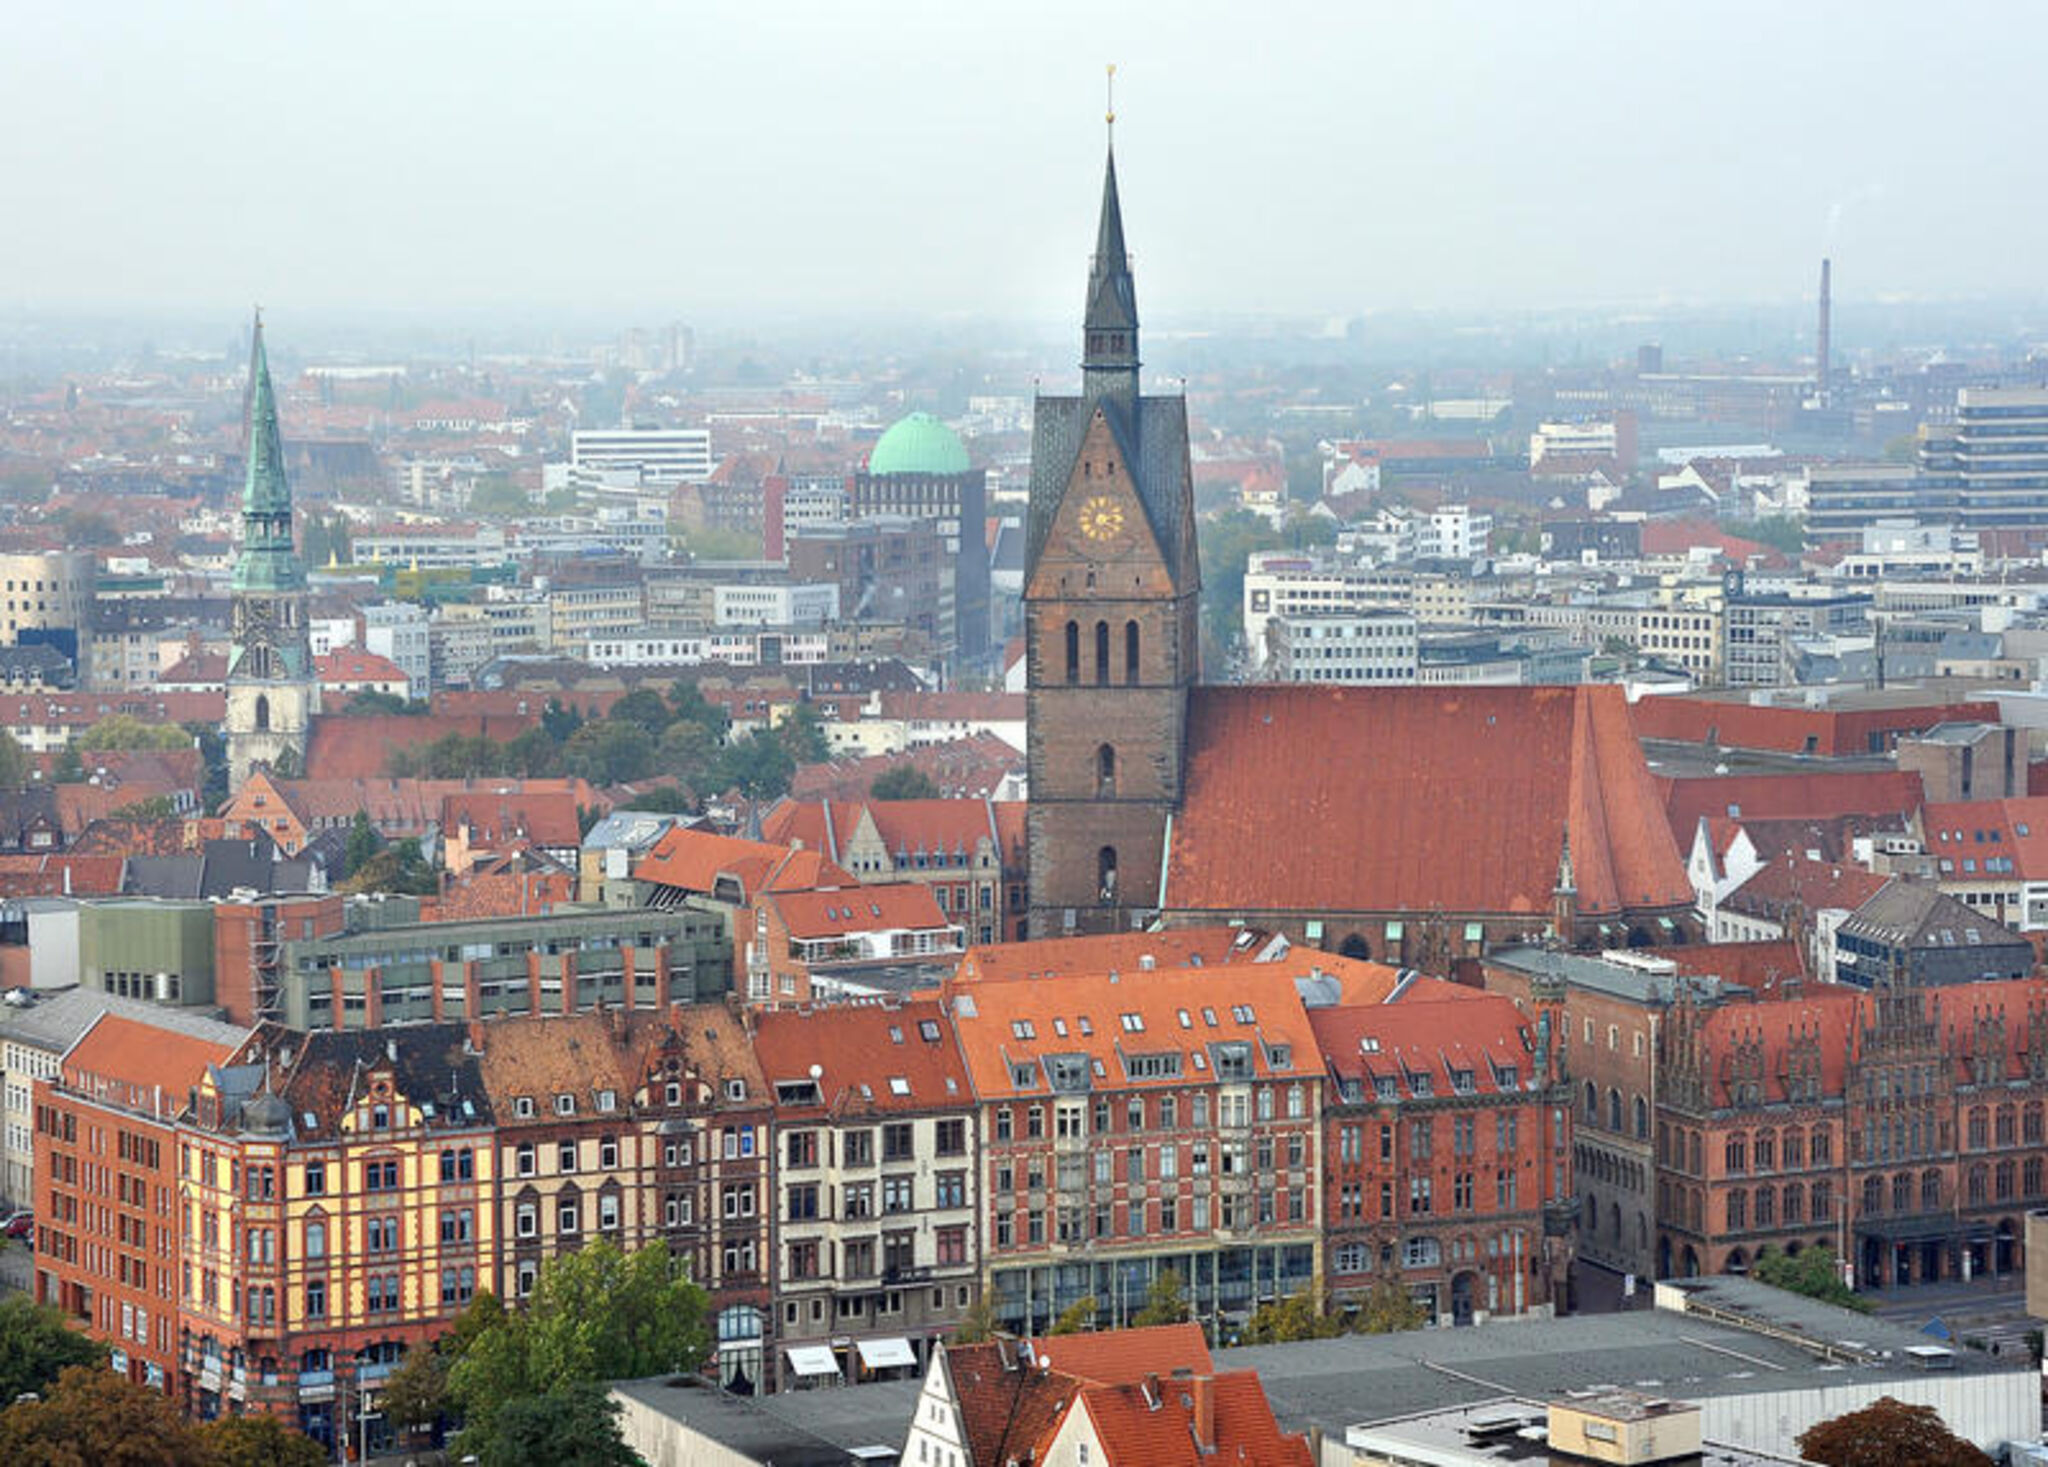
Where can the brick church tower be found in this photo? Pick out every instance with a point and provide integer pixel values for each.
(1111, 585)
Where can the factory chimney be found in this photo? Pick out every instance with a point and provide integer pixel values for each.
(1821, 343)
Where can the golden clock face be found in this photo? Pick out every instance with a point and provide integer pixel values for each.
(1102, 518)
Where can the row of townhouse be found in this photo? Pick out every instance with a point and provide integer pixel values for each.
(293, 1212)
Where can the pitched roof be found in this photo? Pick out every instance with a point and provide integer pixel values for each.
(1759, 966)
(1829, 732)
(973, 768)
(1471, 818)
(1127, 952)
(874, 1057)
(354, 665)
(138, 1065)
(429, 1063)
(1800, 796)
(577, 1055)
(62, 875)
(1016, 1036)
(1120, 1356)
(1440, 1040)
(1791, 885)
(1973, 830)
(538, 817)
(357, 745)
(1009, 1408)
(1916, 914)
(692, 860)
(903, 826)
(1159, 1423)
(836, 910)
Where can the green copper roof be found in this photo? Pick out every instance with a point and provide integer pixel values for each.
(919, 444)
(267, 561)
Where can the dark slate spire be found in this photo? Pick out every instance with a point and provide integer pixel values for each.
(1109, 362)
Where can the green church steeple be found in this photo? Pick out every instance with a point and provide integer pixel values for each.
(268, 560)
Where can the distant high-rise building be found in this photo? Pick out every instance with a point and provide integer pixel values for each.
(1823, 345)
(920, 468)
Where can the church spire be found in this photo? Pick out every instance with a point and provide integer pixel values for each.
(264, 490)
(1109, 363)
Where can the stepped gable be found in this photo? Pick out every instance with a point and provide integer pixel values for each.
(1409, 799)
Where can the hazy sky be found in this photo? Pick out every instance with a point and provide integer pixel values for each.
(712, 161)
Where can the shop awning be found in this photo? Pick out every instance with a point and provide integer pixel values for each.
(811, 1360)
(885, 1354)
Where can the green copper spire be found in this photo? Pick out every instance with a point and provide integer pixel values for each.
(267, 562)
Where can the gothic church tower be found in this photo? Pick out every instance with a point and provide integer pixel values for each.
(272, 690)
(1111, 585)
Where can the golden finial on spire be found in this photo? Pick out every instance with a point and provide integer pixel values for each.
(1109, 93)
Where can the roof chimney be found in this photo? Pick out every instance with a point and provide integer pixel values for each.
(1203, 1388)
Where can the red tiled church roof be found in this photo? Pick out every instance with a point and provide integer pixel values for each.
(1418, 798)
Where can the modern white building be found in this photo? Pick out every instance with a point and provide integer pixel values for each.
(1378, 648)
(1289, 583)
(1573, 440)
(1453, 532)
(652, 455)
(399, 630)
(775, 606)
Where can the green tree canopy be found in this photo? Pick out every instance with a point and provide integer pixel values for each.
(1816, 1273)
(1166, 1302)
(1296, 1317)
(803, 732)
(13, 763)
(759, 764)
(375, 700)
(36, 1345)
(363, 843)
(1888, 1433)
(1388, 1308)
(570, 1426)
(645, 707)
(257, 1440)
(596, 1314)
(609, 752)
(126, 731)
(496, 496)
(904, 782)
(979, 1322)
(93, 1416)
(1076, 1317)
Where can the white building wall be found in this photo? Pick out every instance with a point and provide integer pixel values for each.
(1985, 1409)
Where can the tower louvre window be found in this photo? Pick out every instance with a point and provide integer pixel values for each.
(1102, 654)
(1073, 652)
(1131, 651)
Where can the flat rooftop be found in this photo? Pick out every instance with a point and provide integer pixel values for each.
(1508, 1431)
(1336, 1383)
(820, 1428)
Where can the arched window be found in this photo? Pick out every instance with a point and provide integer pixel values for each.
(1102, 654)
(1355, 946)
(1105, 872)
(1930, 1191)
(1105, 773)
(1130, 651)
(1073, 652)
(1642, 1119)
(1795, 1203)
(1614, 1111)
(262, 711)
(1592, 1104)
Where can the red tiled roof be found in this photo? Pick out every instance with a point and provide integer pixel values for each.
(1759, 966)
(835, 911)
(1793, 885)
(1126, 952)
(539, 817)
(1009, 1409)
(972, 768)
(1157, 1424)
(1832, 733)
(1974, 830)
(954, 707)
(1434, 1029)
(902, 825)
(874, 1057)
(1292, 803)
(1676, 537)
(1786, 796)
(1122, 1356)
(354, 665)
(500, 894)
(61, 875)
(142, 1058)
(1102, 1016)
(358, 746)
(693, 860)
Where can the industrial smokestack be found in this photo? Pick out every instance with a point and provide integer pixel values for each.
(1822, 345)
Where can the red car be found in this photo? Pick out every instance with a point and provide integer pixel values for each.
(21, 1225)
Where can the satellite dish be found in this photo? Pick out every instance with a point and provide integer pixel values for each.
(817, 1072)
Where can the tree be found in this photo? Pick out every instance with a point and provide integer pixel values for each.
(257, 1440)
(363, 843)
(533, 754)
(803, 733)
(92, 1415)
(904, 782)
(375, 700)
(560, 720)
(759, 764)
(1076, 1317)
(153, 807)
(213, 759)
(1166, 1302)
(13, 763)
(1296, 1317)
(609, 752)
(69, 768)
(571, 1426)
(664, 799)
(400, 868)
(693, 707)
(1888, 1433)
(688, 750)
(416, 1394)
(596, 1314)
(1816, 1273)
(645, 707)
(36, 1345)
(495, 496)
(979, 1322)
(126, 731)
(1387, 1309)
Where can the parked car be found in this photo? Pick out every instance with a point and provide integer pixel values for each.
(20, 1225)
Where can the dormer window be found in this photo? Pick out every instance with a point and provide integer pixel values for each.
(735, 1089)
(607, 1100)
(380, 1117)
(565, 1105)
(522, 1107)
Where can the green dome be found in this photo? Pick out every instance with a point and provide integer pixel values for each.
(919, 444)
